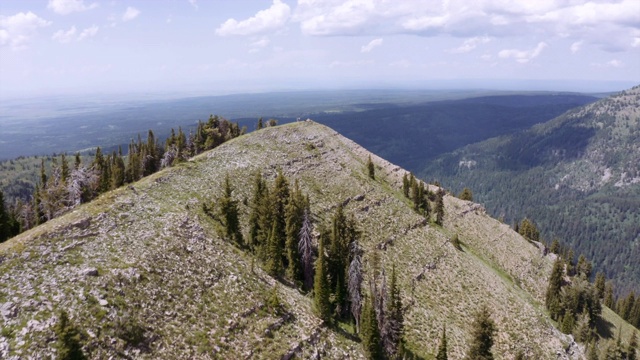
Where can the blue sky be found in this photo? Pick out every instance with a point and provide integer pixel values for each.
(190, 46)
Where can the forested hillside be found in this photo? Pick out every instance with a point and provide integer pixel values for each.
(413, 135)
(577, 177)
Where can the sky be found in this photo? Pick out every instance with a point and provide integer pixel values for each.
(59, 47)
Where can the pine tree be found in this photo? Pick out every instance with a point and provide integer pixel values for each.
(482, 332)
(274, 252)
(4, 220)
(614, 350)
(260, 125)
(68, 344)
(442, 348)
(600, 284)
(466, 194)
(627, 306)
(181, 144)
(322, 291)
(265, 218)
(65, 172)
(371, 169)
(43, 174)
(405, 185)
(393, 323)
(280, 198)
(635, 314)
(77, 161)
(151, 155)
(424, 201)
(343, 234)
(592, 354)
(552, 299)
(259, 190)
(568, 322)
(370, 330)
(117, 170)
(529, 230)
(584, 267)
(228, 212)
(632, 346)
(439, 207)
(570, 263)
(294, 216)
(608, 295)
(416, 195)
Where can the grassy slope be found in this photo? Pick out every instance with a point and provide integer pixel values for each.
(163, 268)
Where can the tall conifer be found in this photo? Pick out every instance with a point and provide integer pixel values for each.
(552, 299)
(482, 332)
(274, 252)
(294, 213)
(371, 169)
(321, 289)
(371, 331)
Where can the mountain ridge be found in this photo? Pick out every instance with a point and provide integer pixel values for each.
(144, 273)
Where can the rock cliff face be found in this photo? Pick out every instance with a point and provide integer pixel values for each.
(143, 273)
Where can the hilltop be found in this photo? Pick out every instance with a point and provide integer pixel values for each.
(143, 272)
(577, 176)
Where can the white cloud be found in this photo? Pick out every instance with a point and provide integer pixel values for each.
(259, 44)
(522, 56)
(470, 44)
(88, 32)
(64, 7)
(371, 45)
(270, 19)
(17, 30)
(194, 3)
(350, 64)
(575, 47)
(426, 22)
(130, 14)
(614, 63)
(70, 35)
(332, 17)
(65, 36)
(401, 64)
(590, 21)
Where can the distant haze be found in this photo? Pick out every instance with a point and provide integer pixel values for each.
(74, 47)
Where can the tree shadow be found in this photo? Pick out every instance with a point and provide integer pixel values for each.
(408, 354)
(353, 337)
(604, 328)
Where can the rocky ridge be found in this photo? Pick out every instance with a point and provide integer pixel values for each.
(143, 273)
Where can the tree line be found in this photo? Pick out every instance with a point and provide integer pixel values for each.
(576, 303)
(66, 185)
